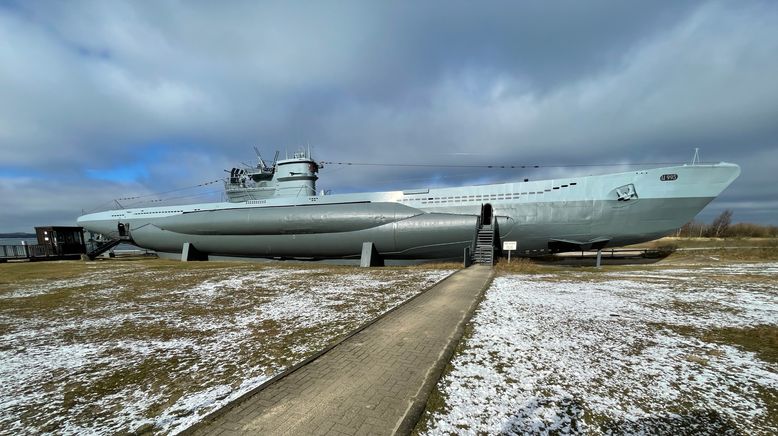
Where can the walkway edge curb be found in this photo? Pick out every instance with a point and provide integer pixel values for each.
(419, 404)
(209, 417)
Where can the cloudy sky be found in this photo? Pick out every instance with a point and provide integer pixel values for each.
(107, 99)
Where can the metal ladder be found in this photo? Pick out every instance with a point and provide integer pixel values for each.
(484, 245)
(98, 247)
(102, 247)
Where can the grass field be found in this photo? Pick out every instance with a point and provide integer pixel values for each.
(150, 346)
(712, 242)
(685, 346)
(753, 249)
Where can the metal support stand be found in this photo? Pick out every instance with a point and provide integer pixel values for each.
(189, 252)
(370, 256)
(599, 257)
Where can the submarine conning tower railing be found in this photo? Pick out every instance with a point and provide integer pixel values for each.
(291, 177)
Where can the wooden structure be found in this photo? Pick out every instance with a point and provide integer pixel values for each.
(54, 243)
(62, 240)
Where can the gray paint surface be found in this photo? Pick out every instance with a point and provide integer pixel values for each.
(542, 216)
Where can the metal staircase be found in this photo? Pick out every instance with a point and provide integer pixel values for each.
(96, 247)
(102, 247)
(486, 229)
(484, 245)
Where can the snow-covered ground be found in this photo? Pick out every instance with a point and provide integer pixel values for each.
(616, 352)
(145, 347)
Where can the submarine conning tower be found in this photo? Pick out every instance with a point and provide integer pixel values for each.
(291, 177)
(296, 177)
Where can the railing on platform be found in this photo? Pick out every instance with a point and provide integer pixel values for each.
(13, 251)
(32, 251)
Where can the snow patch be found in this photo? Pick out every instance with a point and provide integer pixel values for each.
(605, 357)
(54, 362)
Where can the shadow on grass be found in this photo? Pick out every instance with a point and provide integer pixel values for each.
(575, 418)
(695, 422)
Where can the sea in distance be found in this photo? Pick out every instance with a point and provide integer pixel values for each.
(18, 241)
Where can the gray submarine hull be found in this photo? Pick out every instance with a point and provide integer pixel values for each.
(544, 216)
(313, 232)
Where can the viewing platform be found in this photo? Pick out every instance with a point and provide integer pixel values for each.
(54, 243)
(58, 243)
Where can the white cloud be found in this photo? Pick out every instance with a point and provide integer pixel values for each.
(95, 84)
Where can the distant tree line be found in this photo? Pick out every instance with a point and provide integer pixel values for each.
(722, 227)
(17, 235)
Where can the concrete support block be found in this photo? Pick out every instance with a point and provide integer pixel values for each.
(189, 252)
(599, 257)
(468, 259)
(370, 256)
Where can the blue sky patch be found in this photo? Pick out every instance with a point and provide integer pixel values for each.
(120, 173)
(14, 173)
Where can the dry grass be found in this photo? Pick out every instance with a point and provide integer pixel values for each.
(717, 249)
(116, 346)
(522, 265)
(760, 339)
(26, 271)
(714, 313)
(433, 265)
(729, 254)
(710, 242)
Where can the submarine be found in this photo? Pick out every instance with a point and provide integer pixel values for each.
(274, 212)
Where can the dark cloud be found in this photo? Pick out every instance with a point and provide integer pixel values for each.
(163, 94)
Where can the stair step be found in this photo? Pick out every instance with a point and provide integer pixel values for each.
(483, 251)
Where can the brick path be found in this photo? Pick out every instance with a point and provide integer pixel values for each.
(375, 382)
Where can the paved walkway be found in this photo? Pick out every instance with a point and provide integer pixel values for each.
(375, 382)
